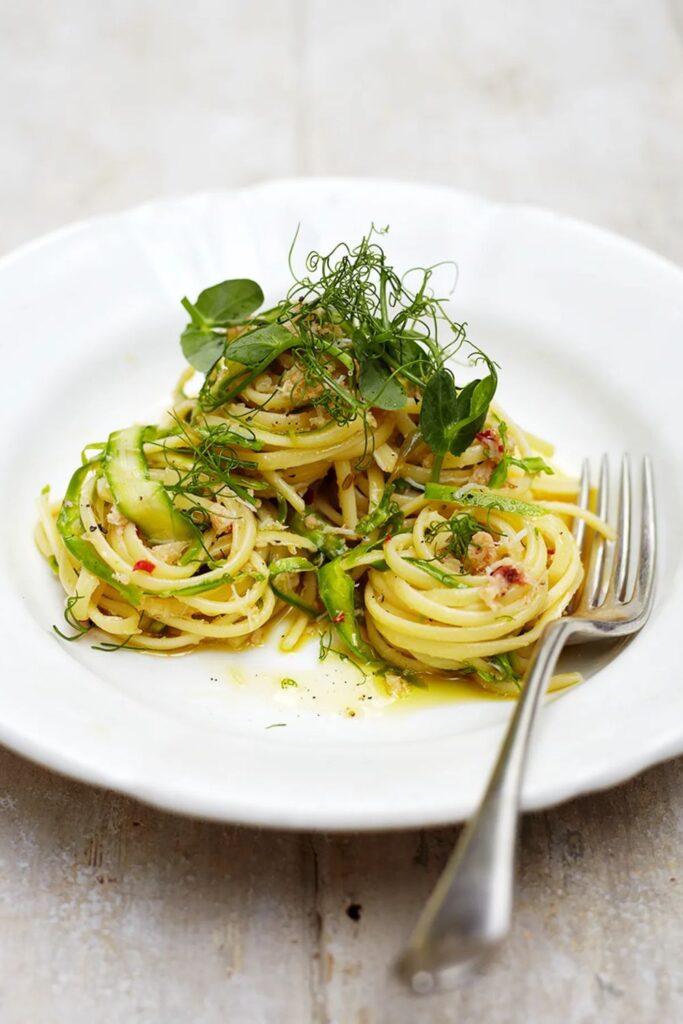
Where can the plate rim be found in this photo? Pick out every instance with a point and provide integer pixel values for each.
(299, 181)
(251, 815)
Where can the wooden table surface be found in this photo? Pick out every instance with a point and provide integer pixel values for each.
(112, 911)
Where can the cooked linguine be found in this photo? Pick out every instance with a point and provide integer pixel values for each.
(330, 474)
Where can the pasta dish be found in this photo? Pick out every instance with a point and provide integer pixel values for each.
(335, 467)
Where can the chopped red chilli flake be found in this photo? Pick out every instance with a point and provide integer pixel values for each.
(510, 573)
(488, 436)
(551, 551)
(144, 565)
(388, 538)
(339, 617)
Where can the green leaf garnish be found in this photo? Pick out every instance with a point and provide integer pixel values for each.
(359, 335)
(225, 304)
(258, 348)
(452, 417)
(222, 305)
(201, 347)
(379, 387)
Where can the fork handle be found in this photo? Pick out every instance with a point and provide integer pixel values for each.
(470, 909)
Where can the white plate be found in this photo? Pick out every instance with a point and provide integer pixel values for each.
(587, 328)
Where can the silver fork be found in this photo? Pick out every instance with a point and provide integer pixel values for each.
(469, 912)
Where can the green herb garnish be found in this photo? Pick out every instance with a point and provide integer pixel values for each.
(451, 417)
(460, 528)
(284, 566)
(386, 515)
(208, 467)
(81, 627)
(110, 647)
(222, 305)
(533, 464)
(260, 347)
(361, 337)
(481, 498)
(314, 527)
(503, 670)
(432, 568)
(222, 434)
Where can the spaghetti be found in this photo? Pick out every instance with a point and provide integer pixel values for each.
(328, 474)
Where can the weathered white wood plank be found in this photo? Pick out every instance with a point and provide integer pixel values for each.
(111, 105)
(117, 911)
(574, 106)
(596, 931)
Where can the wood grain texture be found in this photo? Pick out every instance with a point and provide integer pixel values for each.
(110, 911)
(114, 911)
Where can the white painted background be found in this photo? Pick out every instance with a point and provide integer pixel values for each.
(112, 912)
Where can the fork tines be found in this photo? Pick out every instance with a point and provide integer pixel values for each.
(618, 575)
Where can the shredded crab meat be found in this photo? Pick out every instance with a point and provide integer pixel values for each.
(169, 552)
(319, 419)
(221, 519)
(492, 443)
(501, 578)
(396, 685)
(481, 552)
(493, 591)
(293, 383)
(264, 384)
(452, 563)
(268, 522)
(220, 524)
(115, 518)
(481, 474)
(511, 574)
